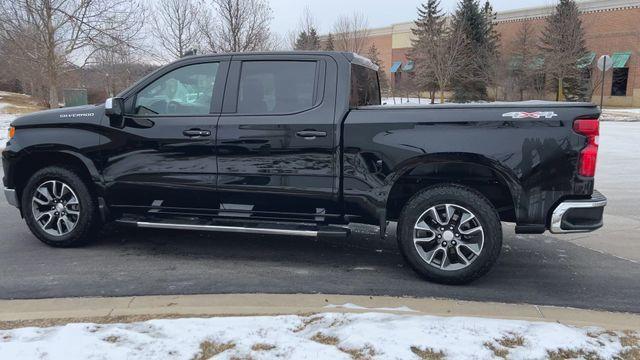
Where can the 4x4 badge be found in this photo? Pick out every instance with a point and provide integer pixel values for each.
(531, 115)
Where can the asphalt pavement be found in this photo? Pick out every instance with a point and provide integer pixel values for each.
(577, 271)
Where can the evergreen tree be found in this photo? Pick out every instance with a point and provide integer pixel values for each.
(471, 85)
(328, 46)
(492, 37)
(308, 40)
(374, 56)
(491, 49)
(314, 40)
(563, 47)
(430, 21)
(301, 40)
(429, 27)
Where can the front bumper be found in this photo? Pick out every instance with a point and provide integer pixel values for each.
(573, 216)
(12, 197)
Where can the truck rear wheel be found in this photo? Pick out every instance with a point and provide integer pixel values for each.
(450, 234)
(59, 208)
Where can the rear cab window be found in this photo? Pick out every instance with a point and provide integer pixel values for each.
(365, 89)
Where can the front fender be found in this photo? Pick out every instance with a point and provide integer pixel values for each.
(38, 145)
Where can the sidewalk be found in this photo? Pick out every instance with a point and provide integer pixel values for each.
(49, 312)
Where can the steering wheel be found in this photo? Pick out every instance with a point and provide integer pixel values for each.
(173, 107)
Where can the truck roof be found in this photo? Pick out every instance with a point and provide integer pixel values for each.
(350, 56)
(338, 56)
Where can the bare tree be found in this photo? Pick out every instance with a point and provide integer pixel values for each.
(307, 21)
(594, 81)
(58, 35)
(238, 26)
(525, 61)
(25, 76)
(351, 32)
(374, 55)
(305, 37)
(175, 26)
(444, 58)
(114, 65)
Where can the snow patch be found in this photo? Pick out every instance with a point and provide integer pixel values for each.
(5, 119)
(620, 115)
(325, 336)
(5, 122)
(398, 101)
(358, 307)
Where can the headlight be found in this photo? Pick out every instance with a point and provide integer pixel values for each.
(12, 131)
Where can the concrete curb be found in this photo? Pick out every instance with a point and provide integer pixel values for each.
(48, 312)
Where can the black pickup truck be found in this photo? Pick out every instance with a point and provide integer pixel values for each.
(298, 143)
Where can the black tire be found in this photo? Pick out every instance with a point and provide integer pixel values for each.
(467, 198)
(88, 222)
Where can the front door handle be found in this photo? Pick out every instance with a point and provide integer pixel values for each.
(311, 134)
(196, 133)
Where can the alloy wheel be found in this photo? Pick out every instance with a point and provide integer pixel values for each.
(55, 208)
(448, 237)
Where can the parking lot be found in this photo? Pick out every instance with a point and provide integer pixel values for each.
(598, 271)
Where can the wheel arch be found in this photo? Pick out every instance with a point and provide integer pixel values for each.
(498, 184)
(35, 159)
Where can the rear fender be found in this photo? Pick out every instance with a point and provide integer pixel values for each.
(414, 164)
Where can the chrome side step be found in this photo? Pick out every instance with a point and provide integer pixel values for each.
(224, 228)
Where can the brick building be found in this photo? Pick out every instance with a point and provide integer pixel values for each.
(611, 26)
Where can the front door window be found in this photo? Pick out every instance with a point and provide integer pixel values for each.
(184, 91)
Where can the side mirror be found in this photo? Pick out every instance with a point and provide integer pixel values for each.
(114, 106)
(114, 109)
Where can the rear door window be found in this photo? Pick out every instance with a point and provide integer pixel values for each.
(276, 87)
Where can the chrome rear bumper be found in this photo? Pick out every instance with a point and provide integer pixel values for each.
(574, 216)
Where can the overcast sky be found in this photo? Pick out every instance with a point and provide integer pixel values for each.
(380, 12)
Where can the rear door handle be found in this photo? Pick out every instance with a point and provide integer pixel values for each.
(311, 134)
(196, 133)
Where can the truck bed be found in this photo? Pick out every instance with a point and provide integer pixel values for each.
(528, 147)
(475, 105)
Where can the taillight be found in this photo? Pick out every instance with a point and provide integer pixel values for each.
(589, 155)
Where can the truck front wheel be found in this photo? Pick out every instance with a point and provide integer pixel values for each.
(59, 208)
(450, 234)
